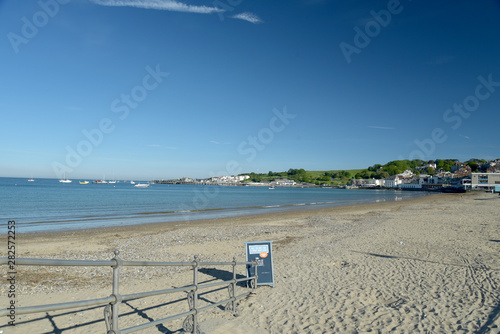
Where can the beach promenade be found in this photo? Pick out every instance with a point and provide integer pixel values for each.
(427, 265)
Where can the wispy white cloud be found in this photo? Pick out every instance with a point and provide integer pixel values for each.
(250, 17)
(381, 127)
(466, 137)
(215, 142)
(170, 5)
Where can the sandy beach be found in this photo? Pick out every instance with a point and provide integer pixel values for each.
(428, 265)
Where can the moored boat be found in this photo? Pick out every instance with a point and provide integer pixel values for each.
(65, 180)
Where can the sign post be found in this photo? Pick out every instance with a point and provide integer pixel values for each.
(262, 252)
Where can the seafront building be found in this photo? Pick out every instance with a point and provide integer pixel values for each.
(486, 181)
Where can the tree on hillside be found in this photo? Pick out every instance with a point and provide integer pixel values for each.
(473, 165)
(364, 174)
(299, 175)
(392, 169)
(343, 174)
(323, 178)
(255, 177)
(381, 175)
(445, 164)
(374, 168)
(416, 163)
(300, 171)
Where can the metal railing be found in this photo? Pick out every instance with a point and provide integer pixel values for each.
(112, 302)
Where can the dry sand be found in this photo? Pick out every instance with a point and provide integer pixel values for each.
(429, 265)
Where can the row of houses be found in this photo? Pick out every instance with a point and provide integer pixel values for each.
(407, 180)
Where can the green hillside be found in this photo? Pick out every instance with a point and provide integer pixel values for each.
(377, 171)
(331, 177)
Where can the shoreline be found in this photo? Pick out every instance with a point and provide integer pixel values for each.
(172, 225)
(279, 209)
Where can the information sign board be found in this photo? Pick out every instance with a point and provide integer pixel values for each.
(262, 252)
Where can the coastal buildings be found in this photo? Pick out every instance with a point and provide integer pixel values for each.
(486, 181)
(283, 182)
(393, 181)
(441, 175)
(221, 180)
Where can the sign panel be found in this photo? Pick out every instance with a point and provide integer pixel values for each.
(262, 251)
(497, 189)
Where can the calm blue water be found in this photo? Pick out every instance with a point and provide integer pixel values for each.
(48, 205)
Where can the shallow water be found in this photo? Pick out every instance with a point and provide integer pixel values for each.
(48, 205)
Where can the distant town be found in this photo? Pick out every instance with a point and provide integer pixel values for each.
(433, 175)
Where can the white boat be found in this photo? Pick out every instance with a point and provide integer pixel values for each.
(65, 180)
(132, 182)
(142, 185)
(114, 180)
(84, 182)
(31, 180)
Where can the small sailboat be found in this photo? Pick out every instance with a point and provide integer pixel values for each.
(142, 185)
(31, 180)
(132, 182)
(84, 182)
(65, 180)
(114, 180)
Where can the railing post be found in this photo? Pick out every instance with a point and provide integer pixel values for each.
(231, 305)
(195, 296)
(254, 281)
(111, 311)
(190, 324)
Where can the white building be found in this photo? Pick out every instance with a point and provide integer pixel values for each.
(410, 186)
(406, 174)
(284, 182)
(392, 181)
(485, 180)
(374, 182)
(429, 179)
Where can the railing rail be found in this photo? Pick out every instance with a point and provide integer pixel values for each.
(112, 302)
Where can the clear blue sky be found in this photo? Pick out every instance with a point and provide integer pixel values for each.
(147, 89)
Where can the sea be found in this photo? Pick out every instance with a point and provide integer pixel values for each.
(47, 205)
